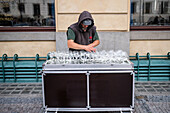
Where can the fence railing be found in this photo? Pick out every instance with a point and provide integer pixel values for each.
(21, 69)
(26, 69)
(151, 67)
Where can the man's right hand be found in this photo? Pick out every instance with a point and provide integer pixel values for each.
(73, 45)
(89, 48)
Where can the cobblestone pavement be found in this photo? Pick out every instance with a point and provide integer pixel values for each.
(150, 97)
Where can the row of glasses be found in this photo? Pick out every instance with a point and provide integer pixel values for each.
(82, 57)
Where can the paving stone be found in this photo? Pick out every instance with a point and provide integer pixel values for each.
(39, 88)
(39, 85)
(35, 92)
(2, 88)
(23, 85)
(19, 88)
(28, 88)
(14, 85)
(10, 88)
(32, 85)
(162, 83)
(147, 86)
(145, 83)
(141, 90)
(160, 90)
(150, 90)
(138, 87)
(5, 92)
(25, 92)
(167, 90)
(156, 86)
(4, 85)
(140, 97)
(15, 92)
(153, 83)
(166, 86)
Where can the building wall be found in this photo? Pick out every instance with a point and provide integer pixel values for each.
(112, 16)
(109, 15)
(27, 48)
(155, 42)
(154, 47)
(27, 43)
(112, 21)
(32, 43)
(108, 41)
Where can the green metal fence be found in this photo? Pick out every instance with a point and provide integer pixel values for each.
(21, 69)
(152, 67)
(26, 69)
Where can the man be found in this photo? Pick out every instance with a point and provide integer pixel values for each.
(82, 35)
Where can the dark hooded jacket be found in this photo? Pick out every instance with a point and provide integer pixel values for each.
(81, 37)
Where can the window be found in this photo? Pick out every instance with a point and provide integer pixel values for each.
(6, 8)
(36, 9)
(50, 9)
(148, 8)
(27, 13)
(133, 9)
(150, 12)
(21, 7)
(163, 7)
(166, 5)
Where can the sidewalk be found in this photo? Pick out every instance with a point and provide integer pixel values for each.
(150, 97)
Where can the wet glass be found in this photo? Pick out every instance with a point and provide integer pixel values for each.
(82, 57)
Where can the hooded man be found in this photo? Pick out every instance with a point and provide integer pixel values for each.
(82, 35)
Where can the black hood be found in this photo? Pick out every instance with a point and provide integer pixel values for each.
(85, 15)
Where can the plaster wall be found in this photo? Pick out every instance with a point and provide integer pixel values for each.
(109, 15)
(26, 48)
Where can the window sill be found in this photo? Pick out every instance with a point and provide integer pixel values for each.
(28, 29)
(149, 28)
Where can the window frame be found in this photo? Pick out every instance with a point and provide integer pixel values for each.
(149, 28)
(28, 29)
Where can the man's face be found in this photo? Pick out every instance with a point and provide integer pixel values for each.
(84, 27)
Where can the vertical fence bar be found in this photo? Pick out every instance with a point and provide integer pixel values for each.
(48, 57)
(137, 57)
(36, 68)
(4, 57)
(149, 58)
(168, 55)
(14, 59)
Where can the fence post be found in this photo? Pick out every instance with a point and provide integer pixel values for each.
(4, 57)
(36, 68)
(137, 57)
(149, 58)
(14, 59)
(168, 55)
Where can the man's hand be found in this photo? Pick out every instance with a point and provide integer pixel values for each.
(89, 48)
